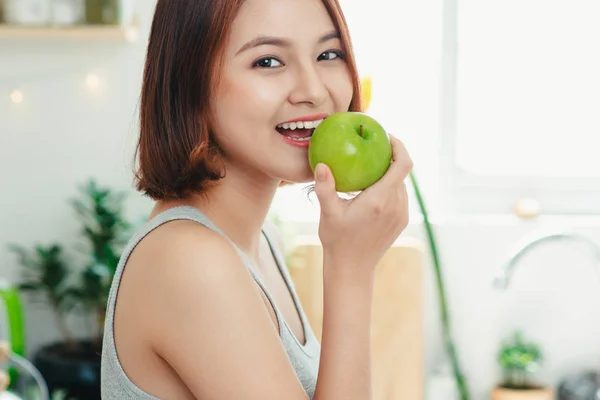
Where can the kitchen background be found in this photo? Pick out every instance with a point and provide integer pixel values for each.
(497, 102)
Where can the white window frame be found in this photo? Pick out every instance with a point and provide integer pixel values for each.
(465, 193)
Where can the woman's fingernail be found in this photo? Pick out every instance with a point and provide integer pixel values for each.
(320, 173)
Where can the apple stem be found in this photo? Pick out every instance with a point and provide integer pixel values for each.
(361, 131)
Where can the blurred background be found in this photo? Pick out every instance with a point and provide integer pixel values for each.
(497, 103)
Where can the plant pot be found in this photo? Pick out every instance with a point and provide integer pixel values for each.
(75, 370)
(540, 393)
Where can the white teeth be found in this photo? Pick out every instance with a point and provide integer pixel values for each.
(299, 139)
(300, 125)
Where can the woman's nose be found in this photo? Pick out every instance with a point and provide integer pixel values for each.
(309, 87)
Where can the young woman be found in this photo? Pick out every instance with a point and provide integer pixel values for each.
(202, 306)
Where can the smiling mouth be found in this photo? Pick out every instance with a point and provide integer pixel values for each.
(298, 131)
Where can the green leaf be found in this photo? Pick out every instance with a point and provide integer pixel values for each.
(516, 354)
(29, 286)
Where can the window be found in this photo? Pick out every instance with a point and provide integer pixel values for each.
(521, 104)
(495, 100)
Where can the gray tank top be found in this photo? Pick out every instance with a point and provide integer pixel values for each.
(116, 385)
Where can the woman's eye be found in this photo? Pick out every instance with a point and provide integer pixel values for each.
(331, 55)
(268, 62)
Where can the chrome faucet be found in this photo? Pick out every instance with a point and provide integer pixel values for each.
(580, 386)
(504, 275)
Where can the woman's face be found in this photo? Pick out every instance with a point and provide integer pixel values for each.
(284, 62)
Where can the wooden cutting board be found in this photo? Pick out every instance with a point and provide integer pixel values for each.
(398, 305)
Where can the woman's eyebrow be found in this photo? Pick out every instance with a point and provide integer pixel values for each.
(281, 42)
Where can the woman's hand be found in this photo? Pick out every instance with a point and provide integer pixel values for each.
(356, 233)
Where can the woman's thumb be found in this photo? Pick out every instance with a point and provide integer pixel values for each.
(325, 187)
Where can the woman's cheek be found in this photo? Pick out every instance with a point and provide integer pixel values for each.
(343, 90)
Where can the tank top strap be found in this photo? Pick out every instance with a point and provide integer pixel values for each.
(282, 265)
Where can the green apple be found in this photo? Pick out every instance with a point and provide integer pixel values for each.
(354, 146)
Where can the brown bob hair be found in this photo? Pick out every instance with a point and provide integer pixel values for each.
(175, 154)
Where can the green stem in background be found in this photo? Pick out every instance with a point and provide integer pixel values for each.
(448, 341)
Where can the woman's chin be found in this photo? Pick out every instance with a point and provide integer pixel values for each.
(304, 176)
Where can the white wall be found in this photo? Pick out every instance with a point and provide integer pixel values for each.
(553, 296)
(63, 133)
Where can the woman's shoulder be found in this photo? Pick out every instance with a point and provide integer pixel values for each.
(181, 242)
(178, 285)
(174, 255)
(182, 261)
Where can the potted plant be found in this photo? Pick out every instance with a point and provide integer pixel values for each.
(519, 360)
(73, 364)
(100, 211)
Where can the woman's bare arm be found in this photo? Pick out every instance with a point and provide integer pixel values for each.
(214, 329)
(212, 325)
(345, 367)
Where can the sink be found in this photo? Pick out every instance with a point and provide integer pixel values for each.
(584, 386)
